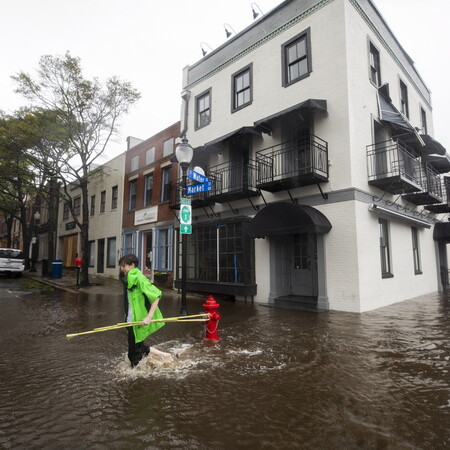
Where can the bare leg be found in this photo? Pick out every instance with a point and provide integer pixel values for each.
(154, 351)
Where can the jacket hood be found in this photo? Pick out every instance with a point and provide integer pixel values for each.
(132, 277)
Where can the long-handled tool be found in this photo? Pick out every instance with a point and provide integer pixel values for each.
(191, 318)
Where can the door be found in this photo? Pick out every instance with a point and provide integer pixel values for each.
(101, 256)
(304, 265)
(148, 255)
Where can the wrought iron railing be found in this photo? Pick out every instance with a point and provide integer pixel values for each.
(292, 159)
(232, 176)
(390, 159)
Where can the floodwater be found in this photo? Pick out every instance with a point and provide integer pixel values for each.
(277, 379)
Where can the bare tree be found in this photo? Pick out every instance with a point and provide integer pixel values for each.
(88, 111)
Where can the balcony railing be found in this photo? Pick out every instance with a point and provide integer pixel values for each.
(432, 188)
(444, 206)
(393, 168)
(232, 180)
(293, 164)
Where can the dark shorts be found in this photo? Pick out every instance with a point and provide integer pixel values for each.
(136, 350)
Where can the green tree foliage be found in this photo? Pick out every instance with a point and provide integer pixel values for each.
(87, 112)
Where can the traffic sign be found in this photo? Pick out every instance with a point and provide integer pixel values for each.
(196, 188)
(197, 176)
(186, 215)
(186, 229)
(185, 201)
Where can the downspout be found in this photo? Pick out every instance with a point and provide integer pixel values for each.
(185, 95)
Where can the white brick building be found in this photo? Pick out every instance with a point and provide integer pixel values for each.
(315, 129)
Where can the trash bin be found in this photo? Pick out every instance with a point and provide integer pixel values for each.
(44, 267)
(57, 268)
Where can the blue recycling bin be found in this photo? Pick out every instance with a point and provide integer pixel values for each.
(57, 268)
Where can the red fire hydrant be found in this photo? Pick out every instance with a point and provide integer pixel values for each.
(212, 325)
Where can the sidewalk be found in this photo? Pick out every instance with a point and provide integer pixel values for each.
(68, 281)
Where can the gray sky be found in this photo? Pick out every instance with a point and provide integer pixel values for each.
(148, 42)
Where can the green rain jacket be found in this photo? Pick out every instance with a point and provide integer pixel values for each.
(140, 294)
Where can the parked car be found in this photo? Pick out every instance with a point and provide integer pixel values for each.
(12, 261)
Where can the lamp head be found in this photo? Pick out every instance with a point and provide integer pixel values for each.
(184, 153)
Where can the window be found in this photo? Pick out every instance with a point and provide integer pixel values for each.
(168, 147)
(77, 206)
(296, 58)
(92, 205)
(134, 163)
(375, 75)
(91, 253)
(384, 249)
(165, 186)
(242, 88)
(150, 156)
(129, 244)
(65, 211)
(415, 248)
(404, 107)
(203, 109)
(133, 193)
(220, 252)
(163, 249)
(423, 121)
(148, 187)
(111, 255)
(114, 196)
(102, 201)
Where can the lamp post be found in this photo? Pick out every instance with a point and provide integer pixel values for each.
(184, 154)
(36, 220)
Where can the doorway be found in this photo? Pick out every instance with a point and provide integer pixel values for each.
(101, 256)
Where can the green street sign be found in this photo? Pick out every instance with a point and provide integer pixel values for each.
(185, 215)
(186, 229)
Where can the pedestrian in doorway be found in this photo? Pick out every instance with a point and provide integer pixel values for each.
(141, 299)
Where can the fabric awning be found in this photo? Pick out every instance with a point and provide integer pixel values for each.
(441, 232)
(240, 132)
(288, 218)
(307, 104)
(440, 163)
(389, 113)
(432, 146)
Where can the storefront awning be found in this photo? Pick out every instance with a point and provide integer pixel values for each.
(240, 132)
(432, 146)
(307, 104)
(288, 218)
(441, 232)
(395, 215)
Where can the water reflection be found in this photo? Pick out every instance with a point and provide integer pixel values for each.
(277, 379)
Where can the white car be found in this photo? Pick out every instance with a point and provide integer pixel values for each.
(12, 261)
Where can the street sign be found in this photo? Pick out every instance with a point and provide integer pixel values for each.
(186, 229)
(185, 201)
(197, 176)
(196, 188)
(186, 215)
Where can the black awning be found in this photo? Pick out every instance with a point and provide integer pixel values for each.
(307, 104)
(441, 232)
(440, 163)
(240, 132)
(389, 113)
(288, 218)
(432, 146)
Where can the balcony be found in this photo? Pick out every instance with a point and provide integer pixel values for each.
(292, 164)
(232, 180)
(197, 200)
(444, 206)
(393, 168)
(432, 191)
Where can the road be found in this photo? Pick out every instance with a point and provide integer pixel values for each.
(12, 287)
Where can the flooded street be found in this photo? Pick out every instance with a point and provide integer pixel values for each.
(278, 378)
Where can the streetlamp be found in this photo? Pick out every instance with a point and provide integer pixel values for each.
(36, 222)
(184, 154)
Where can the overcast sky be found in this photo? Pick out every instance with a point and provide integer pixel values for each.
(148, 42)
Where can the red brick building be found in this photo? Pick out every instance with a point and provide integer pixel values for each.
(149, 182)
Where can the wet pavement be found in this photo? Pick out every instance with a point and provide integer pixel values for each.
(278, 379)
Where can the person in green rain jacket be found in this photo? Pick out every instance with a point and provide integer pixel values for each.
(141, 299)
